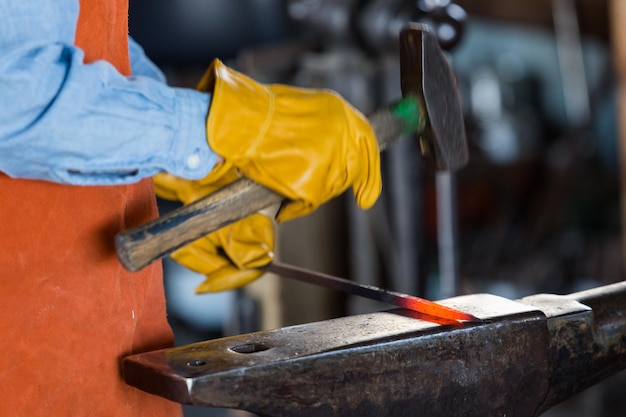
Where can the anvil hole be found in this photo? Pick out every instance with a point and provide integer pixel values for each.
(196, 362)
(249, 348)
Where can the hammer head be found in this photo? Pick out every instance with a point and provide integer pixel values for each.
(426, 74)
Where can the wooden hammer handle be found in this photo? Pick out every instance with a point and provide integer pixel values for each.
(140, 246)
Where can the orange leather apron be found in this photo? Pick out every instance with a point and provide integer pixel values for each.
(69, 310)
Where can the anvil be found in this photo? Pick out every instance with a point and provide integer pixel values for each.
(526, 356)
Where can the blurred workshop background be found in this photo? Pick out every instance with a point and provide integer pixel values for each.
(537, 209)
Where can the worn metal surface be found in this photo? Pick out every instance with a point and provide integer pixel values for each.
(426, 73)
(529, 355)
(587, 338)
(382, 364)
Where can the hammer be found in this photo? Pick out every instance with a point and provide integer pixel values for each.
(430, 109)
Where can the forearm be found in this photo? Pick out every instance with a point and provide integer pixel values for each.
(66, 121)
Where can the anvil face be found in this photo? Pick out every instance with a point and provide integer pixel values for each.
(381, 364)
(525, 357)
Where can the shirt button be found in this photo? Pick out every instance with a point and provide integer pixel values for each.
(193, 161)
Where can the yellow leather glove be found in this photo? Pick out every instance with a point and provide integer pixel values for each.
(307, 145)
(229, 256)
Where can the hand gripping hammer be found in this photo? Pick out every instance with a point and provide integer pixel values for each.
(430, 109)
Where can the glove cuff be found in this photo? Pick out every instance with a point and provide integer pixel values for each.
(240, 108)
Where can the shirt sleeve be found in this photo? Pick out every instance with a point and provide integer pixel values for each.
(65, 121)
(140, 63)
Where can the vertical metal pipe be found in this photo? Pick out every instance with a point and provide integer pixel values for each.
(571, 62)
(447, 234)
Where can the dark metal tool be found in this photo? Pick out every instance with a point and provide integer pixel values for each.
(527, 356)
(431, 109)
(435, 311)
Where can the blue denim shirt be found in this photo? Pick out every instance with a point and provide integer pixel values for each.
(65, 121)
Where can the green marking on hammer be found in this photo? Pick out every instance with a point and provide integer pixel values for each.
(408, 110)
